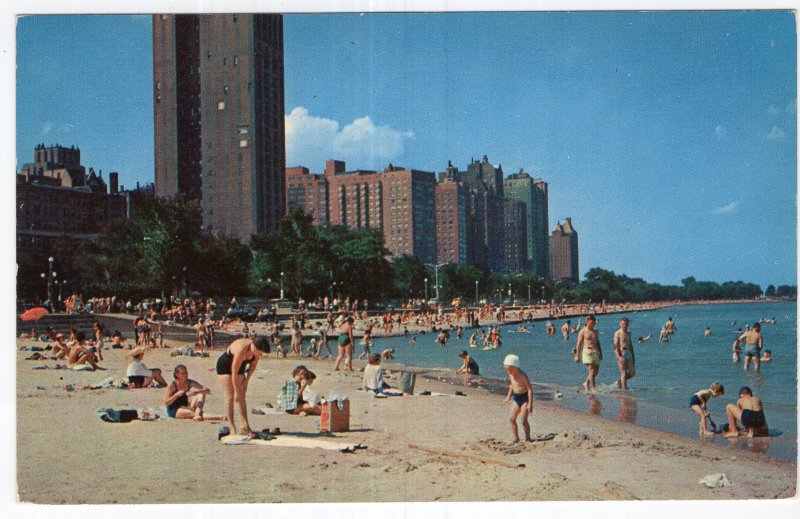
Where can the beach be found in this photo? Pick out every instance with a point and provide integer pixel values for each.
(67, 455)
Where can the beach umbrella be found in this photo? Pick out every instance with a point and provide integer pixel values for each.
(34, 314)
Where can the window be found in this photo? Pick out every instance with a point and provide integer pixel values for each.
(236, 60)
(243, 143)
(226, 89)
(243, 129)
(221, 105)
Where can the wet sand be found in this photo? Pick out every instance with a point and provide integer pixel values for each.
(66, 454)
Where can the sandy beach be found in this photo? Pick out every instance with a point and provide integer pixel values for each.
(66, 454)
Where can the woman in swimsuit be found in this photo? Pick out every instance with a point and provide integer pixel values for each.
(180, 402)
(345, 343)
(235, 367)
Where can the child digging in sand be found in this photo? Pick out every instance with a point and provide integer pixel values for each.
(521, 393)
(698, 405)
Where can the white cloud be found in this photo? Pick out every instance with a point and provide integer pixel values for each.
(47, 127)
(726, 209)
(720, 131)
(776, 134)
(773, 110)
(311, 140)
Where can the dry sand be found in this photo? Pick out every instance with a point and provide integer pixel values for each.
(66, 454)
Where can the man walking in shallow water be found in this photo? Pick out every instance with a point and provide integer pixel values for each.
(623, 349)
(588, 351)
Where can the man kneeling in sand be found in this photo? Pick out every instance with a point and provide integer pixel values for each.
(749, 411)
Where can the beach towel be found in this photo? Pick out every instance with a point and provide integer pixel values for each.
(81, 367)
(285, 440)
(107, 414)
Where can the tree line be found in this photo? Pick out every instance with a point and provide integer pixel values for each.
(163, 249)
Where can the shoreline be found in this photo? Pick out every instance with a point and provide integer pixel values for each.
(587, 459)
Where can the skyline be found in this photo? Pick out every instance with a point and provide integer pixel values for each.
(614, 104)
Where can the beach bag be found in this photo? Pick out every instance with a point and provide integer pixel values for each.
(335, 416)
(407, 381)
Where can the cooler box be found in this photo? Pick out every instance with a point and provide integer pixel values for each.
(335, 416)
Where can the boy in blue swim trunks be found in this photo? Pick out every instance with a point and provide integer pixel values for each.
(521, 393)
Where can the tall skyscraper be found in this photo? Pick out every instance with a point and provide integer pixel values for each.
(485, 183)
(533, 193)
(219, 117)
(515, 234)
(451, 219)
(564, 252)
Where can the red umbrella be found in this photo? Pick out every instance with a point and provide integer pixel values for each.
(34, 314)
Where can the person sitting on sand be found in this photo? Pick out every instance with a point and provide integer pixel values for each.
(304, 378)
(79, 354)
(470, 367)
(140, 375)
(521, 393)
(644, 339)
(60, 348)
(698, 404)
(373, 378)
(749, 411)
(280, 349)
(767, 357)
(181, 402)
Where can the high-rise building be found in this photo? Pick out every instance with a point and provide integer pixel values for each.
(564, 252)
(307, 192)
(451, 220)
(515, 233)
(397, 201)
(485, 183)
(409, 215)
(533, 193)
(219, 117)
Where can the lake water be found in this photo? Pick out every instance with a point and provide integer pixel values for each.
(667, 374)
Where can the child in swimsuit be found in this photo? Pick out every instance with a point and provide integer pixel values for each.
(698, 404)
(521, 393)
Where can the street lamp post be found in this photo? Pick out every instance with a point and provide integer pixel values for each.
(436, 274)
(542, 292)
(529, 292)
(476, 292)
(509, 291)
(281, 286)
(266, 291)
(185, 291)
(426, 290)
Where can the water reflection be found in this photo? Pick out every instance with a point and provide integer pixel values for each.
(627, 410)
(595, 407)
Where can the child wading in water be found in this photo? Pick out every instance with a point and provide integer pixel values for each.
(698, 404)
(521, 393)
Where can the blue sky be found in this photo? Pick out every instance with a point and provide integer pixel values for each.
(669, 138)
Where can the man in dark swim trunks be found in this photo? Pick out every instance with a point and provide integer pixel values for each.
(749, 411)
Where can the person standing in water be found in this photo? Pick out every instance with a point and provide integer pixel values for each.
(623, 349)
(588, 351)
